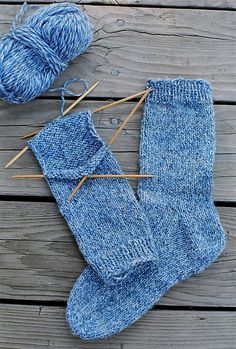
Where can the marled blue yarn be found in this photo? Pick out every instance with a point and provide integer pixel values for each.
(104, 217)
(64, 90)
(177, 145)
(35, 52)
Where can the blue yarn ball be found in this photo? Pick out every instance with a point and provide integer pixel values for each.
(34, 53)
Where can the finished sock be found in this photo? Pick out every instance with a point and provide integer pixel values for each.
(104, 216)
(177, 145)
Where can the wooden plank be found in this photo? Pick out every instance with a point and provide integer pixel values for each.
(39, 260)
(15, 121)
(133, 44)
(27, 327)
(224, 175)
(216, 4)
(18, 120)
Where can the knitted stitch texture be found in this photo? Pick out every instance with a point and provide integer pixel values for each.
(177, 145)
(104, 216)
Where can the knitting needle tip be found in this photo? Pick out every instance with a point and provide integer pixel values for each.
(28, 135)
(113, 104)
(17, 156)
(66, 111)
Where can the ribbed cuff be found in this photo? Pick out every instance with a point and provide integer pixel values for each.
(116, 265)
(180, 90)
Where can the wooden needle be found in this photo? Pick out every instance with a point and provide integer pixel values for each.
(17, 156)
(106, 106)
(29, 134)
(113, 138)
(116, 134)
(131, 176)
(66, 111)
(126, 99)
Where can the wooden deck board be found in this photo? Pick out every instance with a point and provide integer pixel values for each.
(15, 121)
(27, 327)
(39, 260)
(216, 4)
(133, 44)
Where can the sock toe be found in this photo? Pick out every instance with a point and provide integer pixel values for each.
(97, 310)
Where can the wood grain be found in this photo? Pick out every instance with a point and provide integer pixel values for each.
(224, 175)
(39, 260)
(216, 4)
(131, 45)
(43, 327)
(16, 121)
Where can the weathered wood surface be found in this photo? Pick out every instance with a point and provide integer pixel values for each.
(39, 260)
(15, 121)
(215, 4)
(224, 181)
(133, 44)
(27, 327)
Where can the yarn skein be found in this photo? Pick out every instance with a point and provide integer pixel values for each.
(35, 52)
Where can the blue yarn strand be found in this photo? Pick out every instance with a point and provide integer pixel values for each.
(63, 90)
(19, 16)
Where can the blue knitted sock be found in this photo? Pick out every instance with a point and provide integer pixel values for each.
(177, 144)
(104, 216)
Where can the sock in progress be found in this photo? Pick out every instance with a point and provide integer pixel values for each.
(177, 145)
(104, 216)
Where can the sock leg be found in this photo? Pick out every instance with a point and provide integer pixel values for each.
(105, 217)
(178, 145)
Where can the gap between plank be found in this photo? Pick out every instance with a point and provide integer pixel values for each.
(157, 307)
(110, 98)
(29, 198)
(179, 7)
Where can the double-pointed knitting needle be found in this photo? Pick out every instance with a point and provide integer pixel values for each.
(66, 111)
(106, 106)
(113, 138)
(130, 176)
